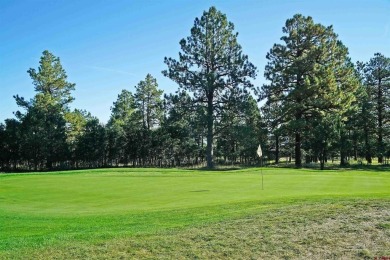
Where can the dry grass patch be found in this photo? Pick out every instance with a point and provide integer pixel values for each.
(337, 230)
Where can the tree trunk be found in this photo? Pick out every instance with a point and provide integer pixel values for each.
(210, 132)
(355, 149)
(325, 156)
(276, 149)
(298, 117)
(367, 145)
(380, 124)
(298, 155)
(343, 153)
(342, 158)
(49, 164)
(15, 164)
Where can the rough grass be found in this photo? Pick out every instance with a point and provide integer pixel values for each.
(149, 213)
(343, 230)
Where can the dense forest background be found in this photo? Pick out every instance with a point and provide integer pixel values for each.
(317, 106)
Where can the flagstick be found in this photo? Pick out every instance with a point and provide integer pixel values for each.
(262, 177)
(260, 154)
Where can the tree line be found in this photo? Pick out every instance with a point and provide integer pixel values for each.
(316, 106)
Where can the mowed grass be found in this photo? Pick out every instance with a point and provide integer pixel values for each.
(171, 213)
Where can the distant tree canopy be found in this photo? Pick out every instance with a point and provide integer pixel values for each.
(318, 107)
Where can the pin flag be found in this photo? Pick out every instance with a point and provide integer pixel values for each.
(259, 151)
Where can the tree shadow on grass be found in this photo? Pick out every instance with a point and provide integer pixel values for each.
(313, 166)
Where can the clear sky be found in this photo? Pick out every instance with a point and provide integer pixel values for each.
(106, 46)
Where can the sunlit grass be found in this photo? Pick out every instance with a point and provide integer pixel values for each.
(56, 209)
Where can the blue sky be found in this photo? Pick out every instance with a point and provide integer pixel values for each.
(107, 46)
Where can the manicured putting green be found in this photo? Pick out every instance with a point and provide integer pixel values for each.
(47, 208)
(121, 191)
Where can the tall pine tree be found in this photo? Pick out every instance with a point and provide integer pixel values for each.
(212, 67)
(377, 80)
(310, 74)
(44, 121)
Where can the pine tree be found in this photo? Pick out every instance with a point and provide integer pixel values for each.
(148, 101)
(44, 121)
(212, 67)
(309, 74)
(377, 80)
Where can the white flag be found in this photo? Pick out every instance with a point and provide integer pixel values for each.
(259, 152)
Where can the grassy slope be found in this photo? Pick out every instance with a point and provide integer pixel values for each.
(331, 230)
(39, 210)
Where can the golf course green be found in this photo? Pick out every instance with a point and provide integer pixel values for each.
(74, 214)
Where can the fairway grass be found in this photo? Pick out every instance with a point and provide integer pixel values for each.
(149, 213)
